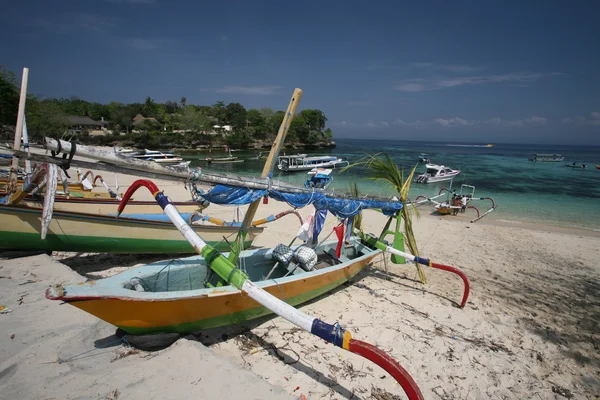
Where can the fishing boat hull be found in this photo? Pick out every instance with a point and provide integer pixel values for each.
(194, 310)
(78, 232)
(109, 206)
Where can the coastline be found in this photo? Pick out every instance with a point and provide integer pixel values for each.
(531, 323)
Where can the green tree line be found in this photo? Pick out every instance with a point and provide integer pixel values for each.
(170, 123)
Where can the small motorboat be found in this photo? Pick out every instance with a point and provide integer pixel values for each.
(424, 158)
(319, 178)
(597, 166)
(224, 160)
(576, 165)
(437, 173)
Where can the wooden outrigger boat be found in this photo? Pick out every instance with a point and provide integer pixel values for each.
(182, 295)
(81, 232)
(463, 200)
(104, 206)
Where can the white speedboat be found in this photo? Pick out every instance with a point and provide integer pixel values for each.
(437, 173)
(159, 157)
(302, 162)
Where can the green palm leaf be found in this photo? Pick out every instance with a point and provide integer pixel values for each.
(383, 170)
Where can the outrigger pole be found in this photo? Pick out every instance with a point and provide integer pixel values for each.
(267, 172)
(234, 276)
(381, 245)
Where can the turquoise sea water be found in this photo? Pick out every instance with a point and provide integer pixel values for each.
(548, 193)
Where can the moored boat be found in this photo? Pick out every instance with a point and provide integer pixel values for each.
(157, 156)
(303, 162)
(319, 178)
(424, 158)
(575, 165)
(224, 160)
(546, 158)
(436, 173)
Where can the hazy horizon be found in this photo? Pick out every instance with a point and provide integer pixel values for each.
(513, 72)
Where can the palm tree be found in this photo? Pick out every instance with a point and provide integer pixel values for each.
(383, 170)
(149, 107)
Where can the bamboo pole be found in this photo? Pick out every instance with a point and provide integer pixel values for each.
(150, 169)
(267, 171)
(14, 166)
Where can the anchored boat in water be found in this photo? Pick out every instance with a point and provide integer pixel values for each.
(319, 178)
(437, 173)
(546, 158)
(158, 156)
(302, 162)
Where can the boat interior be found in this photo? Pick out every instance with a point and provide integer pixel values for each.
(192, 273)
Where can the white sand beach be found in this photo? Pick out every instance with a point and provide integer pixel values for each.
(530, 329)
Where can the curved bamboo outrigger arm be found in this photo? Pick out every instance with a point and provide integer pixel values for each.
(198, 216)
(88, 173)
(373, 241)
(109, 190)
(228, 271)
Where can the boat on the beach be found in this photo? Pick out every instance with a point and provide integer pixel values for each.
(184, 295)
(424, 158)
(436, 173)
(224, 160)
(575, 165)
(546, 158)
(319, 178)
(458, 202)
(82, 232)
(303, 162)
(157, 156)
(107, 206)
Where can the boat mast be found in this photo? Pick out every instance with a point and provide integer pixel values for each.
(267, 171)
(14, 166)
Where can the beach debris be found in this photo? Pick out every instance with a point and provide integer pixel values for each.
(566, 393)
(5, 310)
(114, 395)
(382, 394)
(124, 352)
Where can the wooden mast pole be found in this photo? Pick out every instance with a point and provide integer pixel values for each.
(14, 166)
(267, 170)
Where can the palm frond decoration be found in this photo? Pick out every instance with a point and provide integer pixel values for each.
(384, 170)
(355, 192)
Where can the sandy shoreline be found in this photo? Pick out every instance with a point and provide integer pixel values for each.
(530, 329)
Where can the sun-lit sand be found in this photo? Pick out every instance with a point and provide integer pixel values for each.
(529, 330)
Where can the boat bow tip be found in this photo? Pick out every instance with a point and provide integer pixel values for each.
(55, 292)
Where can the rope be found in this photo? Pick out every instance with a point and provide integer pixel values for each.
(123, 340)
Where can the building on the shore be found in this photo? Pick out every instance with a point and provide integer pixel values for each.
(79, 124)
(140, 119)
(222, 129)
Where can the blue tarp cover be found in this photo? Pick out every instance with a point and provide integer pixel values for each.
(343, 208)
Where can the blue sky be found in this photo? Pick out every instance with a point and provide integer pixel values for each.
(475, 71)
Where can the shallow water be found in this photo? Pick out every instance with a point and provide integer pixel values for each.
(527, 191)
